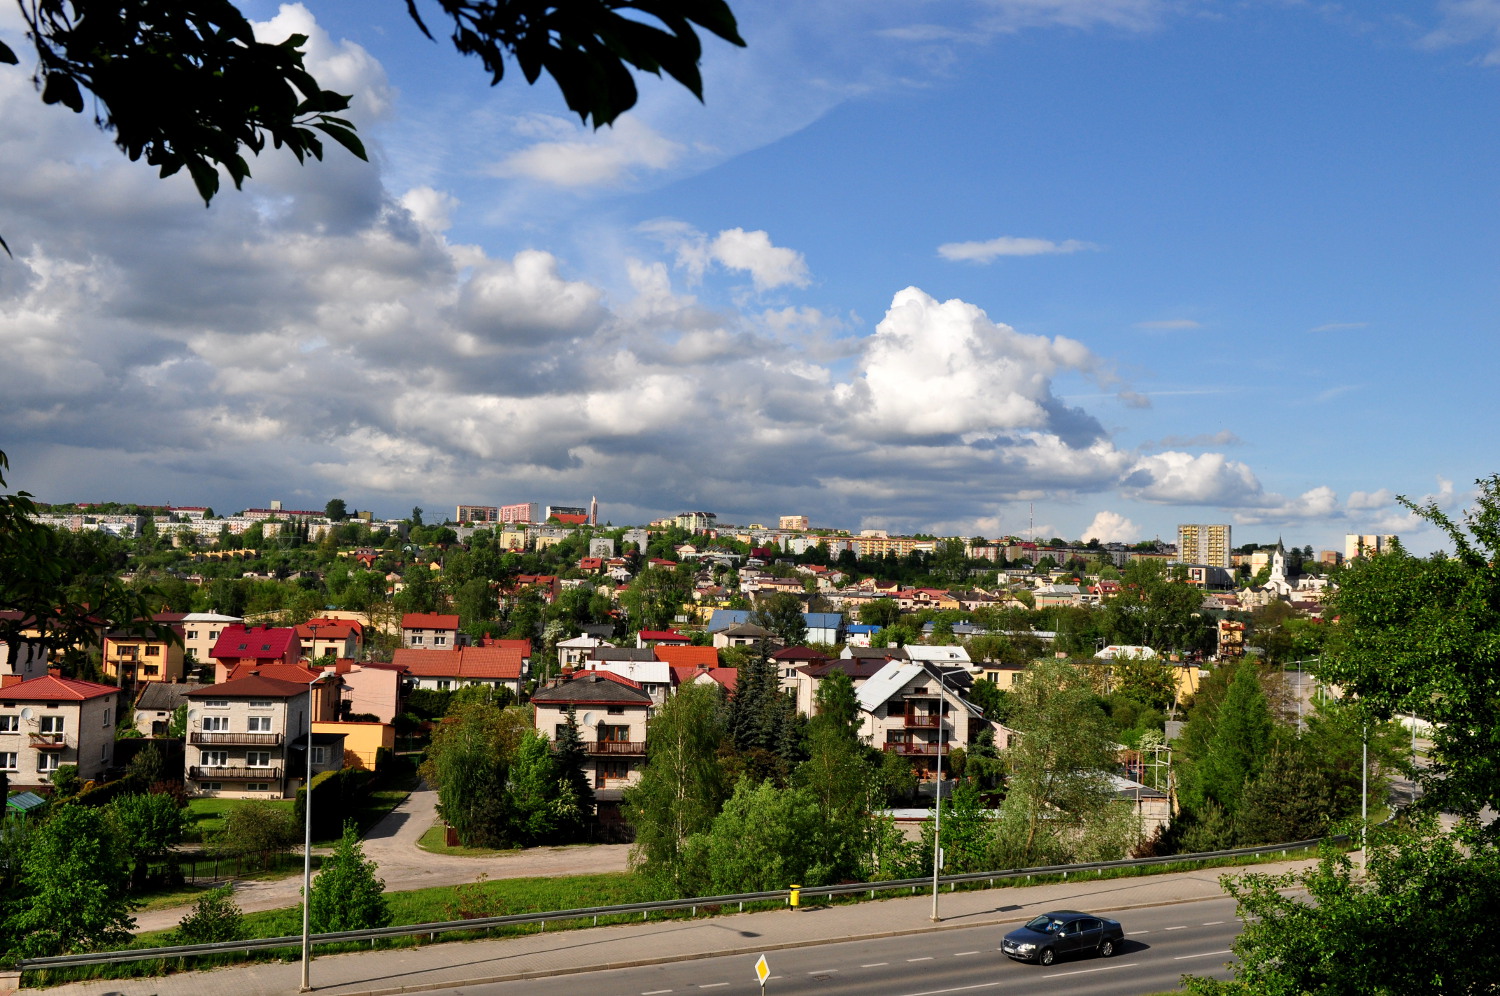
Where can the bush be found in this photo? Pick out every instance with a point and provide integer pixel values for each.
(256, 827)
(107, 792)
(347, 894)
(335, 794)
(215, 917)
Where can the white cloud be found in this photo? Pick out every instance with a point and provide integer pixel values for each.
(1111, 527)
(1184, 479)
(608, 156)
(1362, 500)
(752, 252)
(1129, 15)
(431, 208)
(1467, 22)
(341, 66)
(1008, 245)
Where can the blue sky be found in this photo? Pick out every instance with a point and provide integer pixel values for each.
(922, 266)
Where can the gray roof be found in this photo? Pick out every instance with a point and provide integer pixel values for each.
(164, 696)
(622, 654)
(897, 675)
(590, 687)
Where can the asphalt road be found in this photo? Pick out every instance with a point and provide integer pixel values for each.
(1161, 944)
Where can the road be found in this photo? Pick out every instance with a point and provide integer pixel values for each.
(1161, 944)
(392, 844)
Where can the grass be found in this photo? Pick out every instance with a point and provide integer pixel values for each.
(436, 841)
(208, 816)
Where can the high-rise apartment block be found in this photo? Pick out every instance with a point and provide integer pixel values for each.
(477, 513)
(794, 522)
(1205, 544)
(1366, 545)
(526, 511)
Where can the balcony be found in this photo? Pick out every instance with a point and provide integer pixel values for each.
(917, 749)
(917, 722)
(235, 774)
(633, 748)
(49, 741)
(242, 739)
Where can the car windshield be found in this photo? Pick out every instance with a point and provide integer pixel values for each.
(1045, 925)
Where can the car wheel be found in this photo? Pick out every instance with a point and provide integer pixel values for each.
(1047, 957)
(1106, 949)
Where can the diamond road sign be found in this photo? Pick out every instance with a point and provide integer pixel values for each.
(762, 971)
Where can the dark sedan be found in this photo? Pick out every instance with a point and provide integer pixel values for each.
(1046, 938)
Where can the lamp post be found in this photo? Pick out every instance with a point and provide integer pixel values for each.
(307, 797)
(937, 820)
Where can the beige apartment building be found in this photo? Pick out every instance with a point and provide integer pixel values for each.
(611, 712)
(1208, 544)
(915, 710)
(248, 739)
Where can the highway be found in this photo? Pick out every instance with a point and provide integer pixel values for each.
(1161, 944)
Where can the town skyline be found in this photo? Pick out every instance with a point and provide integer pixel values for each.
(1136, 263)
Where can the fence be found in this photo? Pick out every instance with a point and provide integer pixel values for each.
(646, 909)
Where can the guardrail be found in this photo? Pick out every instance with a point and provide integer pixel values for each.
(646, 909)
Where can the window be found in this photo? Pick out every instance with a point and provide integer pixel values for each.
(257, 786)
(416, 641)
(319, 755)
(260, 724)
(213, 786)
(150, 669)
(444, 685)
(614, 734)
(47, 762)
(439, 640)
(192, 634)
(10, 724)
(559, 730)
(213, 634)
(214, 758)
(7, 760)
(260, 703)
(258, 759)
(53, 724)
(106, 717)
(215, 724)
(617, 710)
(216, 703)
(152, 650)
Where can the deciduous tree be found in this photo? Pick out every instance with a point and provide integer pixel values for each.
(73, 884)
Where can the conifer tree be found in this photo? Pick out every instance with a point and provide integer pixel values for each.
(571, 759)
(347, 894)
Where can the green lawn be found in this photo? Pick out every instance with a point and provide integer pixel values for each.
(208, 816)
(435, 840)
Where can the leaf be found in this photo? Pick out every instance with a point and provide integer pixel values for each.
(343, 135)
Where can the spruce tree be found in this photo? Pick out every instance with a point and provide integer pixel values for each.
(1240, 742)
(347, 894)
(571, 763)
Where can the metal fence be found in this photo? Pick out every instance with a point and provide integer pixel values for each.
(646, 909)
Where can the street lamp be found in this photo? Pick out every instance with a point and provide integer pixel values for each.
(307, 797)
(937, 820)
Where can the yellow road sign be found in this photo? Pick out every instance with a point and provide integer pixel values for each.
(762, 971)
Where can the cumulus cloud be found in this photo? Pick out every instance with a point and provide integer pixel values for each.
(1008, 245)
(1174, 477)
(341, 66)
(769, 266)
(1111, 527)
(608, 156)
(1361, 500)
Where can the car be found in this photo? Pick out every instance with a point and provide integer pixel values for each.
(1048, 937)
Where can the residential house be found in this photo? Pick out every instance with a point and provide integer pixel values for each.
(23, 661)
(611, 712)
(50, 721)
(254, 645)
(687, 656)
(327, 695)
(450, 670)
(950, 655)
(571, 653)
(914, 709)
(336, 638)
(200, 631)
(1005, 676)
(662, 637)
(248, 738)
(653, 676)
(741, 635)
(789, 659)
(156, 702)
(129, 658)
(1052, 595)
(727, 678)
(429, 631)
(804, 682)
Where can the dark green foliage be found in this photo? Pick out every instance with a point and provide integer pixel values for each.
(257, 827)
(347, 894)
(335, 795)
(836, 705)
(214, 917)
(1240, 742)
(990, 697)
(571, 758)
(763, 724)
(73, 887)
(147, 826)
(781, 614)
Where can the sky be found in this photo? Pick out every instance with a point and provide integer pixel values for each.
(1083, 268)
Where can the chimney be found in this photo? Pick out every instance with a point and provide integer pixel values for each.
(6, 680)
(53, 671)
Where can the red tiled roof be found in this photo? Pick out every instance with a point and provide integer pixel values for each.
(328, 629)
(251, 688)
(687, 656)
(661, 634)
(482, 663)
(428, 620)
(294, 673)
(237, 641)
(726, 676)
(799, 654)
(49, 688)
(524, 646)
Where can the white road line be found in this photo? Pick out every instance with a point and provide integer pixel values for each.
(1213, 923)
(713, 985)
(1184, 927)
(957, 989)
(823, 971)
(1132, 933)
(656, 992)
(1205, 954)
(876, 964)
(1086, 971)
(960, 954)
(927, 958)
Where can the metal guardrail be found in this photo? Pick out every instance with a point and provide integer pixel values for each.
(645, 909)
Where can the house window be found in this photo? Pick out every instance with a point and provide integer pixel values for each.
(260, 724)
(258, 759)
(559, 730)
(52, 724)
(47, 762)
(320, 755)
(10, 724)
(7, 760)
(152, 650)
(617, 710)
(213, 786)
(260, 703)
(215, 724)
(439, 640)
(150, 669)
(192, 634)
(416, 641)
(614, 734)
(214, 758)
(444, 685)
(216, 703)
(257, 786)
(213, 634)
(106, 717)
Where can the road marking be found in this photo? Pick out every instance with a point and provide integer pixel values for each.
(1086, 971)
(876, 964)
(823, 971)
(1206, 954)
(957, 989)
(656, 992)
(960, 954)
(928, 958)
(1213, 923)
(1134, 932)
(713, 985)
(1184, 927)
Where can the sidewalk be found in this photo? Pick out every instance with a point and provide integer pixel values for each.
(441, 966)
